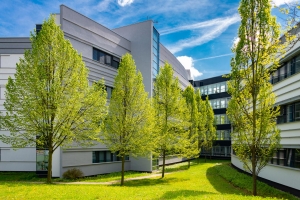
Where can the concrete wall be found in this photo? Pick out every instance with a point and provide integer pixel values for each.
(11, 50)
(179, 71)
(283, 175)
(140, 35)
(82, 158)
(84, 34)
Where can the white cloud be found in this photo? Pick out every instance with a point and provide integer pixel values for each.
(208, 31)
(188, 64)
(125, 2)
(282, 2)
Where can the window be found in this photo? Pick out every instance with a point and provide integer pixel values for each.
(109, 91)
(105, 58)
(297, 111)
(286, 157)
(106, 156)
(222, 119)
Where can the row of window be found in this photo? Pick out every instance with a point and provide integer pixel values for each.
(155, 51)
(287, 69)
(222, 119)
(286, 157)
(105, 58)
(223, 135)
(219, 103)
(217, 151)
(106, 156)
(289, 113)
(214, 88)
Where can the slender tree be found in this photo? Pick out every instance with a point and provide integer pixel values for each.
(251, 108)
(170, 114)
(209, 127)
(129, 123)
(205, 123)
(50, 103)
(191, 149)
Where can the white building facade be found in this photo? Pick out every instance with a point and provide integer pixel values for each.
(101, 50)
(284, 166)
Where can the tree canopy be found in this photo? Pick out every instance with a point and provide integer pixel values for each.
(170, 114)
(49, 102)
(251, 109)
(129, 124)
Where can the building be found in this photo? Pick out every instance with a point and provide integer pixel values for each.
(101, 50)
(283, 169)
(216, 90)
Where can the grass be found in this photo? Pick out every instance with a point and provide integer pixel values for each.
(211, 180)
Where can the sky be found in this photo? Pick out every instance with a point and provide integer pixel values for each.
(200, 33)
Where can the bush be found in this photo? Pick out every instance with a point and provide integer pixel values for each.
(73, 174)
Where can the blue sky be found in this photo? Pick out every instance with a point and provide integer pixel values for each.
(199, 33)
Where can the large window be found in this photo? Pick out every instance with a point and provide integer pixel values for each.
(217, 151)
(286, 157)
(214, 88)
(106, 156)
(222, 119)
(223, 135)
(105, 58)
(219, 103)
(289, 113)
(155, 52)
(285, 70)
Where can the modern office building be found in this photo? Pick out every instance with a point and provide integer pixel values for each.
(283, 169)
(216, 90)
(101, 49)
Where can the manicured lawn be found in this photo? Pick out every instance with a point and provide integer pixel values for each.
(201, 181)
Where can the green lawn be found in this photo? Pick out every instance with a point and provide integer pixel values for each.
(201, 181)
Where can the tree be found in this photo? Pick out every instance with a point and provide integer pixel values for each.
(50, 103)
(129, 122)
(191, 149)
(251, 108)
(170, 114)
(206, 123)
(209, 126)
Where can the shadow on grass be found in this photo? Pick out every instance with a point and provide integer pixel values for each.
(151, 182)
(220, 184)
(184, 194)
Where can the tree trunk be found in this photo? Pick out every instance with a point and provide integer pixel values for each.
(49, 173)
(254, 177)
(205, 158)
(122, 176)
(253, 160)
(189, 164)
(164, 162)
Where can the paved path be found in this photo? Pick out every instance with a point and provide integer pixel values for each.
(109, 182)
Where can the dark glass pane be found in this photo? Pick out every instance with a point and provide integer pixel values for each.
(95, 55)
(115, 64)
(101, 156)
(108, 156)
(108, 59)
(101, 57)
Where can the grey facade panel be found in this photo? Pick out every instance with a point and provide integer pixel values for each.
(14, 45)
(140, 35)
(179, 70)
(79, 25)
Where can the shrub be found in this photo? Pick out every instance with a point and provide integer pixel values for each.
(73, 174)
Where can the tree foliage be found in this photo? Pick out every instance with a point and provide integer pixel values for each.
(170, 114)
(50, 103)
(191, 149)
(129, 122)
(251, 108)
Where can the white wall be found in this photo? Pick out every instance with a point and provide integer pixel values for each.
(279, 174)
